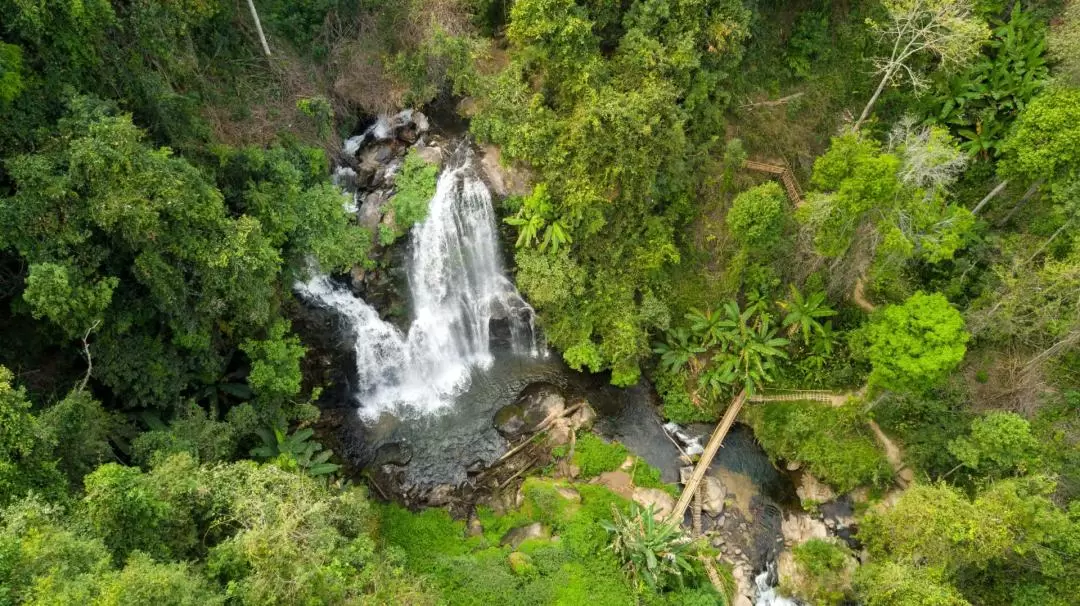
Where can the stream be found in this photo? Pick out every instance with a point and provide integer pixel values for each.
(424, 391)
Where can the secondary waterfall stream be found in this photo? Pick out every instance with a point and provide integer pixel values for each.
(457, 287)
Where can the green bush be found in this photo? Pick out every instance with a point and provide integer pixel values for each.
(834, 443)
(757, 215)
(824, 575)
(594, 456)
(415, 187)
(678, 405)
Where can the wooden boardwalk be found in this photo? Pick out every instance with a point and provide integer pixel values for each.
(790, 184)
(707, 455)
(798, 396)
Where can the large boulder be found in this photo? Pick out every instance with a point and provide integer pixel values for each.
(537, 403)
(583, 418)
(516, 536)
(371, 211)
(713, 495)
(661, 502)
(559, 432)
(504, 180)
(800, 527)
(812, 489)
(618, 482)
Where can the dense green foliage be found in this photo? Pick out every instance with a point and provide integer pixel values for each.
(615, 133)
(287, 539)
(823, 572)
(912, 346)
(833, 443)
(415, 187)
(980, 544)
(163, 183)
(575, 569)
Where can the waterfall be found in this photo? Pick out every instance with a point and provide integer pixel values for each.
(764, 582)
(457, 287)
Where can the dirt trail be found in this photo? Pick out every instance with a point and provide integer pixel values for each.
(859, 297)
(894, 455)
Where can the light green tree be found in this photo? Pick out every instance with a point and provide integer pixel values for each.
(1000, 443)
(912, 346)
(945, 29)
(757, 215)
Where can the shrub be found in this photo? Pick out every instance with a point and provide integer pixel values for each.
(832, 442)
(415, 187)
(757, 215)
(914, 346)
(824, 576)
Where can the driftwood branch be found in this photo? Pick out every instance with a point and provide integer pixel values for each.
(780, 101)
(989, 196)
(539, 429)
(89, 358)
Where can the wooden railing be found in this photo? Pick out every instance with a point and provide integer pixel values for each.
(790, 184)
(707, 455)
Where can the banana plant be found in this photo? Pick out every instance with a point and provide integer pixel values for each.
(709, 326)
(749, 350)
(677, 350)
(656, 553)
(298, 447)
(804, 314)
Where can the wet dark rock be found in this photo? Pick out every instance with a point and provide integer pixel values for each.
(408, 134)
(440, 495)
(516, 536)
(536, 403)
(393, 453)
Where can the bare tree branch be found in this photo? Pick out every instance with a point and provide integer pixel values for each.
(89, 358)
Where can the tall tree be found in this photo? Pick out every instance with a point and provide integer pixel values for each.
(946, 29)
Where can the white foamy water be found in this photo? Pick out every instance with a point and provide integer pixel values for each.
(457, 286)
(767, 593)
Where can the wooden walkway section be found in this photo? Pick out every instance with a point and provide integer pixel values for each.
(790, 184)
(797, 396)
(676, 516)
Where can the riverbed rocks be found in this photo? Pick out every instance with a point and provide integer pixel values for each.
(516, 536)
(662, 503)
(537, 403)
(370, 163)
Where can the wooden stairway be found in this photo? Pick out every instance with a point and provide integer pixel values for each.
(786, 177)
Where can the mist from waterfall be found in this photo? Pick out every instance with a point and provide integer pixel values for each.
(457, 287)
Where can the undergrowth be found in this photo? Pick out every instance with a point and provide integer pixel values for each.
(833, 443)
(573, 567)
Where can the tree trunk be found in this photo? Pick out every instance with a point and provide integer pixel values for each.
(258, 27)
(989, 196)
(1027, 196)
(1048, 242)
(877, 93)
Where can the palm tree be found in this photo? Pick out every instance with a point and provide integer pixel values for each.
(803, 314)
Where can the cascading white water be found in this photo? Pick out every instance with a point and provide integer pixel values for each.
(766, 592)
(457, 286)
